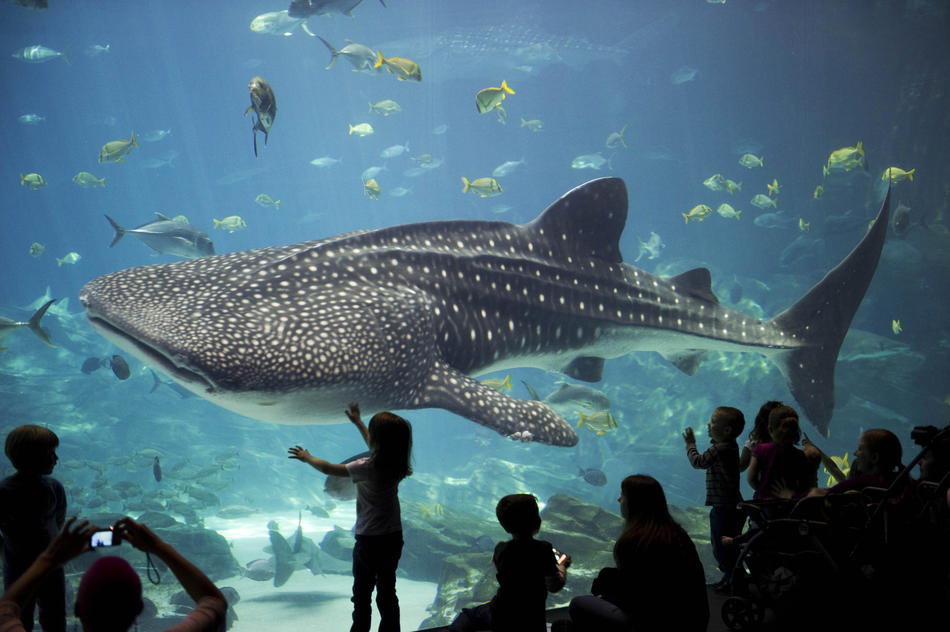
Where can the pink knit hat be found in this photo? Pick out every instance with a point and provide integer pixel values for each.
(110, 594)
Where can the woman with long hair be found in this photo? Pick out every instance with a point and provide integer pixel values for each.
(658, 583)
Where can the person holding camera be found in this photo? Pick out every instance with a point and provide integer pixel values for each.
(32, 511)
(109, 597)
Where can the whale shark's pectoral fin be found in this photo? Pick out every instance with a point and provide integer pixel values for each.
(516, 418)
(586, 369)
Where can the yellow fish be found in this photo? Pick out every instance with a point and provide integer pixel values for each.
(599, 422)
(751, 161)
(726, 210)
(773, 187)
(896, 327)
(697, 214)
(498, 385)
(897, 175)
(361, 129)
(819, 191)
(847, 157)
(715, 182)
(230, 223)
(436, 510)
(265, 200)
(114, 150)
(37, 249)
(732, 187)
(403, 68)
(88, 180)
(842, 463)
(535, 125)
(488, 99)
(385, 107)
(70, 258)
(371, 189)
(803, 225)
(33, 180)
(763, 201)
(485, 187)
(616, 139)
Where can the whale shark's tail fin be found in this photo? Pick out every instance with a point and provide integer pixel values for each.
(821, 319)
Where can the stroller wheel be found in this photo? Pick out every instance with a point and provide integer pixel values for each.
(739, 613)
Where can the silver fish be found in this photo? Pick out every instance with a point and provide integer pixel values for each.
(168, 236)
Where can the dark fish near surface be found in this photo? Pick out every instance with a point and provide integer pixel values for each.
(403, 317)
(120, 367)
(307, 8)
(157, 470)
(264, 104)
(168, 236)
(91, 364)
(593, 476)
(342, 487)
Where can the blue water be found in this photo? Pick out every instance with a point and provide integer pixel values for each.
(790, 82)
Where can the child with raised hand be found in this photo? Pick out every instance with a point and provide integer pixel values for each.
(721, 462)
(378, 523)
(528, 570)
(32, 511)
(779, 464)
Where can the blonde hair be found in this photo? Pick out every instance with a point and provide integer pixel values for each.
(25, 445)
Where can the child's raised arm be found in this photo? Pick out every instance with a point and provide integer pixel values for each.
(353, 412)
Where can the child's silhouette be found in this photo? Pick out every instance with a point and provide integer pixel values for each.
(32, 512)
(527, 570)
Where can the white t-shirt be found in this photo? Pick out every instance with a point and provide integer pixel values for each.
(377, 501)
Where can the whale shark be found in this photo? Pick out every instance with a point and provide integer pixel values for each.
(404, 317)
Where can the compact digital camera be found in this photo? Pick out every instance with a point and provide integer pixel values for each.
(106, 537)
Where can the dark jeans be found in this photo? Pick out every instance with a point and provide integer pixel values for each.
(724, 520)
(375, 558)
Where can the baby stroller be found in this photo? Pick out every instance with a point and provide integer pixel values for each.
(822, 554)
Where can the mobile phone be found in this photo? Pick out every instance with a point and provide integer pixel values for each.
(557, 556)
(106, 537)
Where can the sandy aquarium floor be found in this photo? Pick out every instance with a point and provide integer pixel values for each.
(306, 601)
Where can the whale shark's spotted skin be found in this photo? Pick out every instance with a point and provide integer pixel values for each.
(401, 317)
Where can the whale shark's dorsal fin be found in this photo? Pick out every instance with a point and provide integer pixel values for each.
(587, 220)
(696, 283)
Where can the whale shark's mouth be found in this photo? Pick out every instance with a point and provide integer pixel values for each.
(174, 366)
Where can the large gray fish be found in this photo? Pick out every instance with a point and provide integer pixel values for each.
(8, 326)
(402, 317)
(168, 236)
(264, 104)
